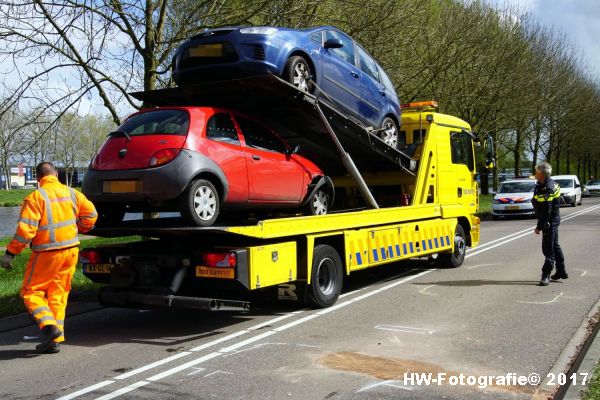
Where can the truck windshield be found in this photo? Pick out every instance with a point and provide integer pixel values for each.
(517, 187)
(160, 122)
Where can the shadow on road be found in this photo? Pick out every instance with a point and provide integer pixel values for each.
(14, 354)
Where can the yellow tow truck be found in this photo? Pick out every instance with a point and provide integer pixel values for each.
(416, 200)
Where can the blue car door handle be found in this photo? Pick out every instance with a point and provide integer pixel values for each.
(354, 74)
(382, 92)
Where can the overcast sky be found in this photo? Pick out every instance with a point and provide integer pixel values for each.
(578, 19)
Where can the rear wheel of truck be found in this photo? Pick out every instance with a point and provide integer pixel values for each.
(326, 277)
(456, 258)
(298, 73)
(200, 203)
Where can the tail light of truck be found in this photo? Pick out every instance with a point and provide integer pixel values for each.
(89, 256)
(163, 156)
(227, 260)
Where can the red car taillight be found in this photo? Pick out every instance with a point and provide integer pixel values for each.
(163, 156)
(89, 257)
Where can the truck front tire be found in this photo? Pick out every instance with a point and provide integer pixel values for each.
(456, 258)
(326, 277)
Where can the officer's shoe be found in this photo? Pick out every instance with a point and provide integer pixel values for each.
(559, 275)
(545, 281)
(47, 348)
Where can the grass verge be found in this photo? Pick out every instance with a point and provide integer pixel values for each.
(10, 281)
(13, 198)
(593, 390)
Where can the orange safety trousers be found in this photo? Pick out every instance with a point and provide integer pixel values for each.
(47, 284)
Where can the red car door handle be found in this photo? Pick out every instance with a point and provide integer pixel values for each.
(255, 157)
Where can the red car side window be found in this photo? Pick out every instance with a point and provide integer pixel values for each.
(220, 128)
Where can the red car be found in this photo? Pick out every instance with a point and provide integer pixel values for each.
(199, 161)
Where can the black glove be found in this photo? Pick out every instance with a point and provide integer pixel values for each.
(6, 260)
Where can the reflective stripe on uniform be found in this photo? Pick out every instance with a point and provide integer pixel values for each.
(57, 225)
(21, 239)
(548, 197)
(40, 310)
(33, 262)
(49, 215)
(28, 221)
(74, 200)
(47, 246)
(45, 318)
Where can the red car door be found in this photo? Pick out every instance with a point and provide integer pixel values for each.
(273, 176)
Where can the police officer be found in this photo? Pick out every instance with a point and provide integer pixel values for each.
(546, 201)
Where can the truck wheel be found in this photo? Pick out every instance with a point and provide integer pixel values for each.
(389, 134)
(326, 277)
(109, 215)
(200, 203)
(456, 258)
(298, 73)
(319, 202)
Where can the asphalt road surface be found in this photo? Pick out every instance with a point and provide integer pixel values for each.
(479, 330)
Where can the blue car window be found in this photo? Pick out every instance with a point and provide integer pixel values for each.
(346, 52)
(220, 128)
(317, 37)
(259, 137)
(367, 65)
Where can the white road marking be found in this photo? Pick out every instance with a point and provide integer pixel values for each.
(385, 383)
(218, 372)
(85, 390)
(554, 300)
(124, 390)
(312, 316)
(407, 329)
(424, 291)
(181, 367)
(482, 265)
(196, 371)
(153, 365)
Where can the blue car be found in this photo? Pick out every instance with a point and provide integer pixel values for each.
(345, 74)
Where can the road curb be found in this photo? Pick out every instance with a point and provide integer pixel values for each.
(569, 354)
(24, 320)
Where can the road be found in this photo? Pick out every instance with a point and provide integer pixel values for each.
(486, 318)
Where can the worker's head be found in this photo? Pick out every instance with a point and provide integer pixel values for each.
(44, 169)
(543, 171)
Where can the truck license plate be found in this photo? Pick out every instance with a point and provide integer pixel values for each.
(214, 272)
(97, 268)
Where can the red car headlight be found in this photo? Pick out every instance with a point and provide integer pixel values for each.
(163, 156)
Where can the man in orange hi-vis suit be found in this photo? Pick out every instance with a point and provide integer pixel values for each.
(50, 219)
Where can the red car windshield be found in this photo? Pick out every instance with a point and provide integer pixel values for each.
(160, 122)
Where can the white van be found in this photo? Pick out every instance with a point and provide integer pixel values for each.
(570, 189)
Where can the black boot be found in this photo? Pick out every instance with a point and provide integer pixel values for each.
(545, 281)
(47, 348)
(50, 333)
(560, 274)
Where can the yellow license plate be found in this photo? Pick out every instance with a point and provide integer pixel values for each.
(97, 268)
(512, 207)
(207, 50)
(121, 186)
(215, 272)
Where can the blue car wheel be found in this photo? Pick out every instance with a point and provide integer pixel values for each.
(298, 73)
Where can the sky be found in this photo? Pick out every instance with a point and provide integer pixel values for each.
(579, 20)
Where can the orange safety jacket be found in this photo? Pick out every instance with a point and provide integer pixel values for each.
(51, 216)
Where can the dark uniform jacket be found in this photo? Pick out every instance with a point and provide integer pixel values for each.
(546, 201)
